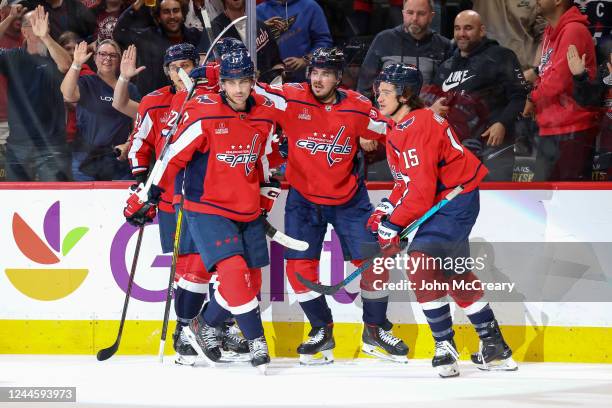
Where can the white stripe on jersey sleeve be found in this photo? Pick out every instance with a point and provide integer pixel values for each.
(146, 125)
(279, 102)
(185, 139)
(378, 126)
(453, 141)
(265, 164)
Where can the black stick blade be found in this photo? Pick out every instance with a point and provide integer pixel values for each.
(319, 288)
(107, 353)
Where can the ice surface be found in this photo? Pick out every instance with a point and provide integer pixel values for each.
(143, 382)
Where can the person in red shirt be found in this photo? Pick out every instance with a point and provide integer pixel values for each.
(567, 130)
(427, 162)
(323, 125)
(221, 141)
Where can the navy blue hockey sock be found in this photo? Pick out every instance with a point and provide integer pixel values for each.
(317, 312)
(250, 324)
(480, 319)
(187, 304)
(441, 322)
(375, 311)
(214, 315)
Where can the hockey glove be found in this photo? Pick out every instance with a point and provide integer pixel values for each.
(388, 237)
(138, 212)
(384, 208)
(268, 193)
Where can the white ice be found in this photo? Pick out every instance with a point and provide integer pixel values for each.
(143, 382)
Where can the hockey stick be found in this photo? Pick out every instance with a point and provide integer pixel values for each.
(208, 27)
(107, 353)
(330, 290)
(283, 239)
(175, 254)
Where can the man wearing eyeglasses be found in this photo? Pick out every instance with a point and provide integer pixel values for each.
(413, 42)
(36, 147)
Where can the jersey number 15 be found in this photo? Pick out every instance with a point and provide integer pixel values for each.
(410, 158)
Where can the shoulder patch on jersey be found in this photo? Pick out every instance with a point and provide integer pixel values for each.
(438, 118)
(205, 100)
(296, 85)
(362, 98)
(403, 125)
(373, 113)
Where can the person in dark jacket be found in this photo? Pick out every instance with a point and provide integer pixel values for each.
(485, 91)
(413, 42)
(70, 15)
(152, 33)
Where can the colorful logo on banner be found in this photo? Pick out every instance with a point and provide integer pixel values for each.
(46, 283)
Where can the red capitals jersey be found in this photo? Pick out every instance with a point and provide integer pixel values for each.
(146, 139)
(223, 153)
(427, 161)
(323, 139)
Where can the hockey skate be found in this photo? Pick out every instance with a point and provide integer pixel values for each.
(185, 354)
(203, 339)
(320, 340)
(234, 347)
(445, 359)
(378, 341)
(260, 358)
(494, 353)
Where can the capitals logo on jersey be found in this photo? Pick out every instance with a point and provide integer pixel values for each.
(403, 125)
(240, 154)
(329, 147)
(205, 100)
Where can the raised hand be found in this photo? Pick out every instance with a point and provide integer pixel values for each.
(17, 11)
(575, 63)
(128, 68)
(80, 54)
(40, 22)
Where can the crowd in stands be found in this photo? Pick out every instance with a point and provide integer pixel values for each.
(525, 83)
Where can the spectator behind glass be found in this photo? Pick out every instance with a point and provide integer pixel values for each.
(268, 56)
(485, 92)
(412, 42)
(515, 25)
(10, 37)
(589, 93)
(395, 14)
(152, 32)
(567, 130)
(107, 13)
(102, 129)
(70, 15)
(299, 27)
(36, 147)
(69, 41)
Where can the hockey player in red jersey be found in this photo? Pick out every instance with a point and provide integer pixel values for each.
(323, 125)
(427, 162)
(221, 142)
(155, 116)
